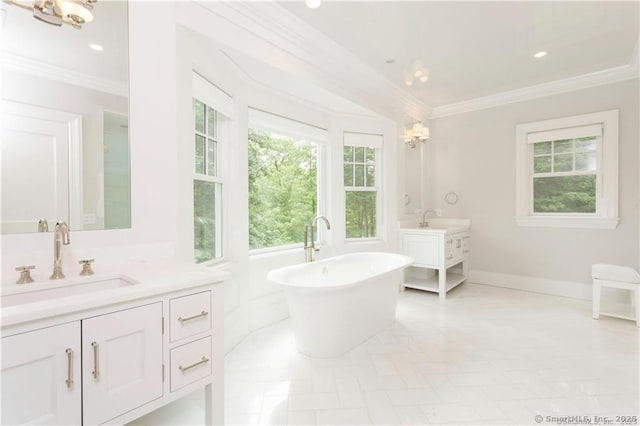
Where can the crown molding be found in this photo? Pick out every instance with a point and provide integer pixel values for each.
(584, 81)
(25, 65)
(276, 36)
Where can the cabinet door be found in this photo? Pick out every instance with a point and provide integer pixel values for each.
(40, 376)
(122, 362)
(457, 247)
(424, 249)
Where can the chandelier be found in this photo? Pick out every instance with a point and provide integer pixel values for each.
(58, 12)
(416, 134)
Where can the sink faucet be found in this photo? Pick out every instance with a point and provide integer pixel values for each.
(60, 235)
(425, 216)
(309, 248)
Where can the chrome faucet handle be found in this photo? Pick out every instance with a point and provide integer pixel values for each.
(43, 225)
(25, 274)
(86, 267)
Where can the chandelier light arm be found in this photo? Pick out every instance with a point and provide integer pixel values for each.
(56, 12)
(417, 133)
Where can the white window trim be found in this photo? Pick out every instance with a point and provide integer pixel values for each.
(366, 140)
(606, 216)
(206, 92)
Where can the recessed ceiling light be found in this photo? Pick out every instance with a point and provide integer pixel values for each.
(540, 54)
(390, 61)
(313, 4)
(96, 47)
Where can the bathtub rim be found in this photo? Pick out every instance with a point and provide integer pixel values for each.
(405, 261)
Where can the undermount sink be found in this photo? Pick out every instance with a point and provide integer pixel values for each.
(53, 289)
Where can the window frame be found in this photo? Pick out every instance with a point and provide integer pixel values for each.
(606, 214)
(277, 125)
(224, 105)
(377, 188)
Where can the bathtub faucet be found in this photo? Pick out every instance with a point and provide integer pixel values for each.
(309, 244)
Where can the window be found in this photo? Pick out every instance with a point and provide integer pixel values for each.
(284, 158)
(211, 133)
(567, 171)
(361, 165)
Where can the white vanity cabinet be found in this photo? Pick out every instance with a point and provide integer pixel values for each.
(40, 376)
(114, 363)
(122, 362)
(440, 258)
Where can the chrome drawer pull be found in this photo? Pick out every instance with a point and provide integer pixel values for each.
(201, 314)
(189, 367)
(69, 380)
(96, 371)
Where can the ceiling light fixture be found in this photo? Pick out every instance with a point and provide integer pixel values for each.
(416, 134)
(421, 74)
(58, 12)
(540, 54)
(96, 47)
(313, 4)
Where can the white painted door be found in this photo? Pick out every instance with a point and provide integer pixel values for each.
(122, 362)
(41, 167)
(35, 177)
(40, 377)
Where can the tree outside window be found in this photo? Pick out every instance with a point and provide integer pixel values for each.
(361, 192)
(283, 188)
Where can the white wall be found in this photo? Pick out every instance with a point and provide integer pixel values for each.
(473, 154)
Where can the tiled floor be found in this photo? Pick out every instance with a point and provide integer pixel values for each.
(485, 356)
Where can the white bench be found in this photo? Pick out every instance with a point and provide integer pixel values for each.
(616, 277)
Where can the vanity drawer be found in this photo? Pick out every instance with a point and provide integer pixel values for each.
(190, 362)
(189, 315)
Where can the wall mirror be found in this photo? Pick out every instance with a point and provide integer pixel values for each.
(414, 178)
(65, 138)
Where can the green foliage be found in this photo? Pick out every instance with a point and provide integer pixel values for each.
(282, 189)
(204, 225)
(360, 215)
(564, 194)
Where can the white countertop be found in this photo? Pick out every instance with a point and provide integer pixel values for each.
(438, 225)
(436, 229)
(149, 278)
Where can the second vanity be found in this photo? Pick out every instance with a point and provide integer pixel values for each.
(440, 252)
(111, 348)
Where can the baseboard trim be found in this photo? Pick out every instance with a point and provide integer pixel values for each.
(572, 289)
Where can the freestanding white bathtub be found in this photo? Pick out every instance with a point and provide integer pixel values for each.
(337, 303)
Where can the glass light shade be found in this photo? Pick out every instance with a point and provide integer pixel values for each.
(70, 7)
(425, 134)
(417, 129)
(313, 4)
(407, 135)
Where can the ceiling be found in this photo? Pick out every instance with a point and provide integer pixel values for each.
(475, 49)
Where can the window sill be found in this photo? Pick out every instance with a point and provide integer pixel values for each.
(271, 251)
(569, 222)
(357, 241)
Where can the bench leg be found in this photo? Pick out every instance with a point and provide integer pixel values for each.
(597, 291)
